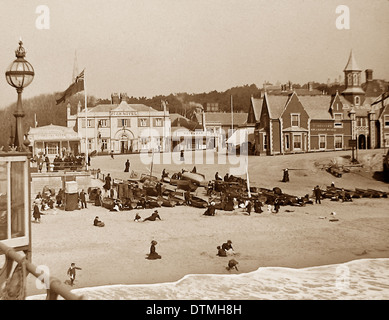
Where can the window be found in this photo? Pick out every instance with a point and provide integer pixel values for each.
(158, 122)
(104, 144)
(142, 122)
(14, 193)
(322, 141)
(264, 141)
(297, 141)
(123, 122)
(90, 141)
(386, 140)
(338, 120)
(103, 123)
(52, 148)
(338, 141)
(386, 121)
(357, 100)
(355, 79)
(295, 120)
(349, 79)
(287, 142)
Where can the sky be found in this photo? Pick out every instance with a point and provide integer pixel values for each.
(158, 47)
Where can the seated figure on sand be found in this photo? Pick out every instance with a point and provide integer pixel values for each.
(153, 255)
(227, 247)
(98, 223)
(221, 252)
(232, 264)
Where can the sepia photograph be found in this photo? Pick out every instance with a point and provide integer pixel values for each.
(194, 155)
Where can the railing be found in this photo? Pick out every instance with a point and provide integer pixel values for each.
(54, 286)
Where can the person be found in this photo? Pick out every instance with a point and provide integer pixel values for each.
(218, 177)
(127, 166)
(187, 197)
(194, 170)
(317, 193)
(137, 218)
(232, 264)
(276, 205)
(165, 174)
(107, 185)
(227, 247)
(72, 272)
(211, 210)
(98, 223)
(40, 163)
(221, 252)
(153, 254)
(248, 207)
(38, 196)
(153, 217)
(258, 206)
(116, 206)
(226, 177)
(36, 213)
(88, 160)
(82, 198)
(98, 198)
(112, 154)
(158, 188)
(182, 155)
(59, 197)
(286, 175)
(47, 161)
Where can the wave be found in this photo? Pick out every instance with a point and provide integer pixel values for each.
(358, 279)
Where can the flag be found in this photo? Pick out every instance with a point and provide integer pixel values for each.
(76, 86)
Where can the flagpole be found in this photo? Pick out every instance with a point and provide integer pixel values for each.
(86, 123)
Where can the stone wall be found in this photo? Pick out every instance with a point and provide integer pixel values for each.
(56, 180)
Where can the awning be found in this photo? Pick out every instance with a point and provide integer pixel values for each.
(241, 135)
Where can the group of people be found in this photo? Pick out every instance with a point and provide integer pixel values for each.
(226, 250)
(69, 161)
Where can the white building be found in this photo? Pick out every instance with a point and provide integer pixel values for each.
(121, 127)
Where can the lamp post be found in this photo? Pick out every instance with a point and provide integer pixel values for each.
(19, 75)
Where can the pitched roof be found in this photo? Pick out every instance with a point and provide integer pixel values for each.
(352, 64)
(276, 105)
(257, 107)
(317, 106)
(375, 87)
(123, 106)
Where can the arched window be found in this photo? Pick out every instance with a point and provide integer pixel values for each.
(349, 79)
(357, 100)
(355, 79)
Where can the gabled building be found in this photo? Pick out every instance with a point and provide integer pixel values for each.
(303, 123)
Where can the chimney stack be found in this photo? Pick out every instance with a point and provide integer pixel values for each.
(115, 98)
(369, 75)
(123, 96)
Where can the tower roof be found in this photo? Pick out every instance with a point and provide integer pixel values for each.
(352, 64)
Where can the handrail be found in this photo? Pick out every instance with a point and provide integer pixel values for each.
(55, 286)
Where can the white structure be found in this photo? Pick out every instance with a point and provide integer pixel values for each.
(121, 127)
(54, 140)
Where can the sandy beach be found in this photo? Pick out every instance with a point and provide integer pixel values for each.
(296, 237)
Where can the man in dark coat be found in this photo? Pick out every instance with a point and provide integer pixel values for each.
(317, 193)
(82, 198)
(127, 166)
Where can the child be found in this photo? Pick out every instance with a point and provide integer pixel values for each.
(72, 273)
(232, 264)
(137, 217)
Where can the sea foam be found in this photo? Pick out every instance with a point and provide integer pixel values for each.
(358, 279)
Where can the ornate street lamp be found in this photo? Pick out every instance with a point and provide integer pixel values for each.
(19, 75)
